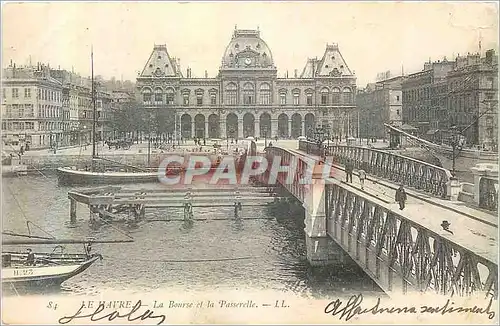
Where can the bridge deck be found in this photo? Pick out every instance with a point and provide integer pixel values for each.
(472, 229)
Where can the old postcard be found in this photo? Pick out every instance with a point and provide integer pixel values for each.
(249, 162)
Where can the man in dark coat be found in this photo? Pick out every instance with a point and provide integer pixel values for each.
(348, 171)
(30, 259)
(401, 197)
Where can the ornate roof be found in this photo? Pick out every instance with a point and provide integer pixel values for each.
(160, 64)
(331, 64)
(247, 50)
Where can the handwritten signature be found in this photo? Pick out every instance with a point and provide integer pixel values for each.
(148, 314)
(353, 308)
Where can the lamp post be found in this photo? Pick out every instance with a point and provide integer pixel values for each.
(264, 130)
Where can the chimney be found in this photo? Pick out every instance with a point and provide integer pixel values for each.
(287, 74)
(206, 74)
(187, 72)
(295, 73)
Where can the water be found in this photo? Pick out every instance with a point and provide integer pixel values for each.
(267, 254)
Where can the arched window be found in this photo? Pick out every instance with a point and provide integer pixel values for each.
(347, 95)
(170, 96)
(296, 96)
(231, 94)
(146, 95)
(336, 95)
(265, 94)
(248, 94)
(324, 96)
(158, 95)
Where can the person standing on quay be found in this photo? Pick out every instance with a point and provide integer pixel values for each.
(401, 197)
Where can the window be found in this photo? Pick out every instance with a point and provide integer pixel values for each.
(146, 96)
(3, 93)
(309, 98)
(185, 97)
(170, 96)
(213, 99)
(397, 98)
(248, 94)
(158, 95)
(231, 91)
(296, 96)
(336, 95)
(324, 96)
(199, 99)
(265, 94)
(15, 93)
(21, 111)
(347, 95)
(283, 99)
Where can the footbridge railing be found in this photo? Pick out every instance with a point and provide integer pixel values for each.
(422, 176)
(400, 254)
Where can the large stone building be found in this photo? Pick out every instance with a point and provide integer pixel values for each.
(247, 98)
(380, 103)
(424, 98)
(473, 98)
(32, 110)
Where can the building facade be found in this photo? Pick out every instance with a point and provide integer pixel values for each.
(473, 99)
(423, 104)
(380, 103)
(247, 98)
(32, 107)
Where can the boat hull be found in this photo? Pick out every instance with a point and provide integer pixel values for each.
(67, 176)
(42, 276)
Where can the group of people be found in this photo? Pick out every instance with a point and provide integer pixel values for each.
(400, 196)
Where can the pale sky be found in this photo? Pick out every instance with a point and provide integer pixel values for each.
(372, 37)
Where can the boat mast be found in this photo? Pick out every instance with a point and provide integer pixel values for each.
(94, 116)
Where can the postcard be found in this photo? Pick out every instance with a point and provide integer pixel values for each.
(228, 162)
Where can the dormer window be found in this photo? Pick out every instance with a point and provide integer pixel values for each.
(333, 57)
(150, 66)
(236, 46)
(326, 66)
(159, 57)
(166, 66)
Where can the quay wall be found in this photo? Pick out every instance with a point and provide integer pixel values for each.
(54, 161)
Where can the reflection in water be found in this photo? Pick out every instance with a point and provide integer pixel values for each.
(217, 250)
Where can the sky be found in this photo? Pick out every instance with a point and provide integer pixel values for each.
(372, 37)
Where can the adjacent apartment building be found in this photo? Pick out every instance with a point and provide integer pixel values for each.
(380, 103)
(32, 107)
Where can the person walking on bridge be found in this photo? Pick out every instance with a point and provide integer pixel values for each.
(348, 171)
(362, 177)
(401, 197)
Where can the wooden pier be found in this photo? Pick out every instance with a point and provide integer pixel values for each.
(114, 203)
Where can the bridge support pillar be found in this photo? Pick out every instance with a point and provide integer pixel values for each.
(318, 244)
(72, 210)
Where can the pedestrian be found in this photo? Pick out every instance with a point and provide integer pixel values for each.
(362, 177)
(401, 197)
(348, 171)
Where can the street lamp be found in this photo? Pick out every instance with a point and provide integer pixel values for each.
(264, 131)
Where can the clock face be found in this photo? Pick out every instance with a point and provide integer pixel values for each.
(248, 61)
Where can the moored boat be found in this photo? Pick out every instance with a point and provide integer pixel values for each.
(39, 270)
